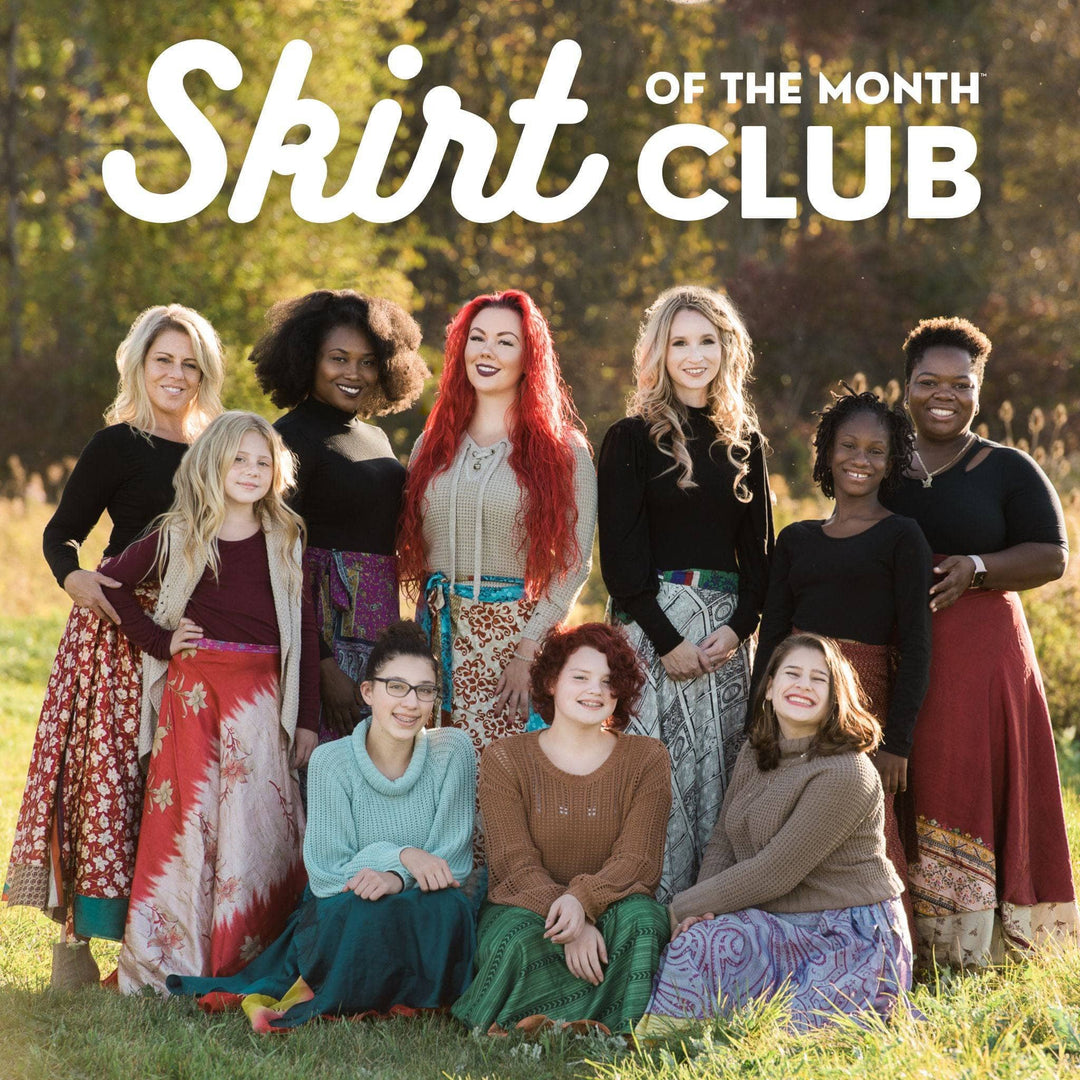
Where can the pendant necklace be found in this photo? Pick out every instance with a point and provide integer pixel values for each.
(928, 478)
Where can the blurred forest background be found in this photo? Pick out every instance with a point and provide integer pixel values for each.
(823, 299)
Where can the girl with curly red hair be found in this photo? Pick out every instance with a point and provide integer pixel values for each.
(576, 817)
(500, 506)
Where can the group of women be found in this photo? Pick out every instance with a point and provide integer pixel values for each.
(882, 774)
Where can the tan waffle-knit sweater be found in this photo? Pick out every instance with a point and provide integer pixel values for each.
(470, 525)
(599, 837)
(805, 836)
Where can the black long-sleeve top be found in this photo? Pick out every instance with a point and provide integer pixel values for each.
(872, 587)
(649, 524)
(349, 483)
(121, 471)
(1004, 500)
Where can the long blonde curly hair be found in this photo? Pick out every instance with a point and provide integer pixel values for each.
(132, 404)
(730, 409)
(198, 509)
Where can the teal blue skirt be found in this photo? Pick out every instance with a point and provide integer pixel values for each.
(413, 949)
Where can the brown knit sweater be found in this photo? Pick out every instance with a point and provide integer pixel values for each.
(599, 837)
(805, 836)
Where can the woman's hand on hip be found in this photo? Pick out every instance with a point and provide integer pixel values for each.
(586, 955)
(340, 698)
(953, 578)
(565, 919)
(184, 636)
(84, 587)
(431, 871)
(685, 661)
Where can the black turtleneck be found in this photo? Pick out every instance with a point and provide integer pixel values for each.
(122, 471)
(348, 485)
(648, 524)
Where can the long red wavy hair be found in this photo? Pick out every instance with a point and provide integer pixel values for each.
(544, 427)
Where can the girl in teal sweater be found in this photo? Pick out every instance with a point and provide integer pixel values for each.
(384, 923)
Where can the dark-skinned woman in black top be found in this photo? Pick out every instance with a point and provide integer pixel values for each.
(685, 538)
(860, 577)
(336, 358)
(993, 875)
(74, 849)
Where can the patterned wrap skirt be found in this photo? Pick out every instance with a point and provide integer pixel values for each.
(219, 865)
(700, 721)
(520, 974)
(993, 876)
(74, 850)
(356, 598)
(826, 963)
(343, 956)
(474, 638)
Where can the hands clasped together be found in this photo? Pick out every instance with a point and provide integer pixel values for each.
(688, 661)
(583, 944)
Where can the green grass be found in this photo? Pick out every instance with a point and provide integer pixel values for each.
(1020, 1021)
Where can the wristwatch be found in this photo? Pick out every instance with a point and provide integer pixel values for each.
(979, 576)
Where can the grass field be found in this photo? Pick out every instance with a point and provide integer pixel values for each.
(1020, 1021)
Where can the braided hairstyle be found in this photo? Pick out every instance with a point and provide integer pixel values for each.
(844, 406)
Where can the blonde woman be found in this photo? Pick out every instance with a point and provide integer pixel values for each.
(74, 848)
(230, 703)
(685, 539)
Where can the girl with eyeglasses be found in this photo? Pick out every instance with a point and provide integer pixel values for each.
(384, 924)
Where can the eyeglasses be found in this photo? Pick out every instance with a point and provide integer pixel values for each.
(399, 688)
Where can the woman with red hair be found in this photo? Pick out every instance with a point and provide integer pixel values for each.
(576, 817)
(500, 506)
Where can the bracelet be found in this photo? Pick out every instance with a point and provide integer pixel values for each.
(522, 656)
(979, 576)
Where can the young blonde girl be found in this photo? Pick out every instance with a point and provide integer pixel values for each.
(230, 695)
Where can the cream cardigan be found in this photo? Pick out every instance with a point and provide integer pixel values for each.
(177, 585)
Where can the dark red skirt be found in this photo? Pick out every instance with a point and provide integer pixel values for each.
(993, 876)
(875, 665)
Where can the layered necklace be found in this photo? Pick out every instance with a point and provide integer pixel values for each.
(928, 476)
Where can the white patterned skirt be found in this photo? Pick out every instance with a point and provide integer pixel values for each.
(700, 721)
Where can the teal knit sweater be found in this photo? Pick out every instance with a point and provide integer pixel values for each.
(358, 818)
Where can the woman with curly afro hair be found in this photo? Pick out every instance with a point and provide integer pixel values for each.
(576, 817)
(500, 508)
(335, 358)
(860, 576)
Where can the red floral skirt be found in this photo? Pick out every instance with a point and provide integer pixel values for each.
(74, 849)
(219, 868)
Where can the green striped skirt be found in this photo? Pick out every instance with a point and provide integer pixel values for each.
(519, 973)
